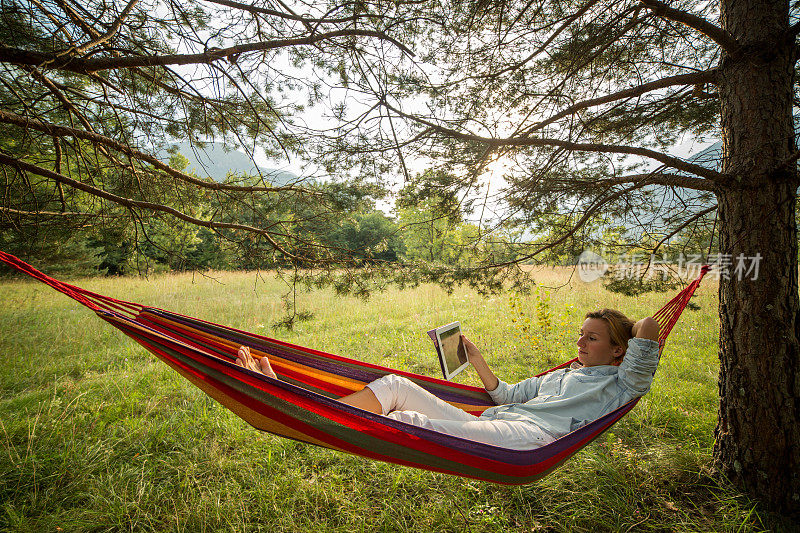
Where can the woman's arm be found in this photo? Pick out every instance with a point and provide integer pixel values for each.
(641, 359)
(500, 391)
(646, 328)
(475, 358)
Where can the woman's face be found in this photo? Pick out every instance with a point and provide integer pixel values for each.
(594, 344)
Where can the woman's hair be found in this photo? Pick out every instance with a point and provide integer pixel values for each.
(620, 327)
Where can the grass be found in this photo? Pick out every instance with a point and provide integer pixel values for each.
(98, 435)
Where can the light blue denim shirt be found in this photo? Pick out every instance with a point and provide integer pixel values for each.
(563, 400)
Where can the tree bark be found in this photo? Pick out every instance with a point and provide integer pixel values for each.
(758, 431)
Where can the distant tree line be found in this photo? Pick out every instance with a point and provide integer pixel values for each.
(425, 227)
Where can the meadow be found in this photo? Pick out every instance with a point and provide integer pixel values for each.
(96, 434)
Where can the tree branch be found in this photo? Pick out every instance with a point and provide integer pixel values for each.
(107, 35)
(580, 223)
(77, 19)
(794, 29)
(666, 159)
(693, 78)
(668, 180)
(60, 27)
(61, 131)
(86, 66)
(290, 16)
(715, 33)
(544, 45)
(790, 160)
(695, 217)
(63, 214)
(131, 203)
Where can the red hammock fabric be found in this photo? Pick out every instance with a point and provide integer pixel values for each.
(302, 404)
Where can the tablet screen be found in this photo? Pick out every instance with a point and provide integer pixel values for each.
(452, 353)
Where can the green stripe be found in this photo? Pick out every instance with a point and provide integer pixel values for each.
(339, 431)
(243, 338)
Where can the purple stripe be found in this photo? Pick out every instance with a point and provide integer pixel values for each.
(343, 369)
(578, 438)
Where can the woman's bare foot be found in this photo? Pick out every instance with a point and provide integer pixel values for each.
(244, 358)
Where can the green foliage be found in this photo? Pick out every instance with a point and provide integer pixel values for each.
(371, 235)
(636, 285)
(540, 327)
(433, 237)
(115, 248)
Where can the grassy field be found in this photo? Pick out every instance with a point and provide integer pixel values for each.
(96, 434)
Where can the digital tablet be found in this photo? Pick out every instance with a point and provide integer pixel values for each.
(448, 344)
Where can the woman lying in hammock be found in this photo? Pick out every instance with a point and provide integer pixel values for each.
(617, 362)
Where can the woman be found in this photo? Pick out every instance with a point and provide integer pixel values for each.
(617, 361)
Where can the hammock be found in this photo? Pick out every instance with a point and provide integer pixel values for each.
(302, 404)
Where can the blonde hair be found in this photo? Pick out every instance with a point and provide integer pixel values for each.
(620, 327)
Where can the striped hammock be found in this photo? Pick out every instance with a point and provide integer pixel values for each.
(303, 404)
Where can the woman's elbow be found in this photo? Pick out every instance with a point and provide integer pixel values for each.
(648, 328)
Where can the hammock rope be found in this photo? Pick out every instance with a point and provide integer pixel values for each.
(302, 404)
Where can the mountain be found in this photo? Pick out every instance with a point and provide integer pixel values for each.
(215, 161)
(709, 157)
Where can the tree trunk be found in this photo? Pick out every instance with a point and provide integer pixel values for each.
(758, 432)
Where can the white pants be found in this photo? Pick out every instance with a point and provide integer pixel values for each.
(404, 400)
